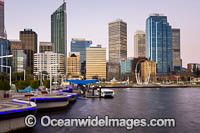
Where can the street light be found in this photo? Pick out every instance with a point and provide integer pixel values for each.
(51, 76)
(24, 74)
(10, 72)
(6, 56)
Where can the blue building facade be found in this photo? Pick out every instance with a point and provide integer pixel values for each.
(159, 42)
(5, 49)
(80, 45)
(126, 66)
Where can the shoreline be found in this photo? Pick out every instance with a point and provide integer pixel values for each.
(150, 86)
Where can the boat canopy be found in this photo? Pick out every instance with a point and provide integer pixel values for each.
(83, 82)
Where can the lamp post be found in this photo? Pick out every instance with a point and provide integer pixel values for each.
(10, 72)
(7, 56)
(51, 76)
(24, 74)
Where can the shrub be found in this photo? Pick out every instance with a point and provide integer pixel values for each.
(4, 85)
(22, 84)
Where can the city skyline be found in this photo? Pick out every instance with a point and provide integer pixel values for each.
(39, 21)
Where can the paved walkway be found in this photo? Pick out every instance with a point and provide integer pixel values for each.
(7, 104)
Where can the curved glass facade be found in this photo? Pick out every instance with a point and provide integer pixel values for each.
(159, 42)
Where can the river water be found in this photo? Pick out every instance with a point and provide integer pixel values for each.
(183, 104)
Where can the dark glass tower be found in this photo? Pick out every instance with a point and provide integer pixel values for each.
(29, 39)
(5, 50)
(159, 42)
(59, 30)
(2, 18)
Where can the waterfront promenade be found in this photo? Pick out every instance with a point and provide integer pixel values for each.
(13, 111)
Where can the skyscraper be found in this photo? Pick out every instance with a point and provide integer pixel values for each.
(80, 45)
(159, 42)
(5, 50)
(19, 58)
(176, 52)
(96, 63)
(139, 44)
(74, 64)
(45, 61)
(59, 30)
(117, 41)
(2, 25)
(29, 39)
(45, 46)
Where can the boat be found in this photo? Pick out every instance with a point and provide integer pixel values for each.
(105, 92)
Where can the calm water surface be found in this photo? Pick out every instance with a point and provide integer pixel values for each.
(183, 104)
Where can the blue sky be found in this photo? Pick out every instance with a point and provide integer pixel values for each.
(89, 19)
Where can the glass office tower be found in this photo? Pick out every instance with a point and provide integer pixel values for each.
(59, 30)
(159, 42)
(2, 18)
(5, 50)
(80, 45)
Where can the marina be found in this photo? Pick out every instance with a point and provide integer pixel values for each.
(179, 103)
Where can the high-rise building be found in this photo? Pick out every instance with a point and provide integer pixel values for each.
(18, 60)
(45, 46)
(74, 64)
(80, 45)
(176, 52)
(159, 42)
(139, 44)
(113, 70)
(193, 67)
(29, 39)
(49, 62)
(2, 25)
(117, 41)
(16, 45)
(126, 66)
(96, 63)
(59, 30)
(5, 50)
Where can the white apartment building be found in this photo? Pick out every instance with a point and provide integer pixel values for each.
(49, 62)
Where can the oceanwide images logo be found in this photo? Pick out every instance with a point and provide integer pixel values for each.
(94, 122)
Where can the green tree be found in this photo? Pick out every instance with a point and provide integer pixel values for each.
(103, 80)
(4, 76)
(95, 77)
(45, 72)
(22, 84)
(35, 84)
(29, 77)
(197, 72)
(4, 85)
(18, 76)
(46, 83)
(29, 70)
